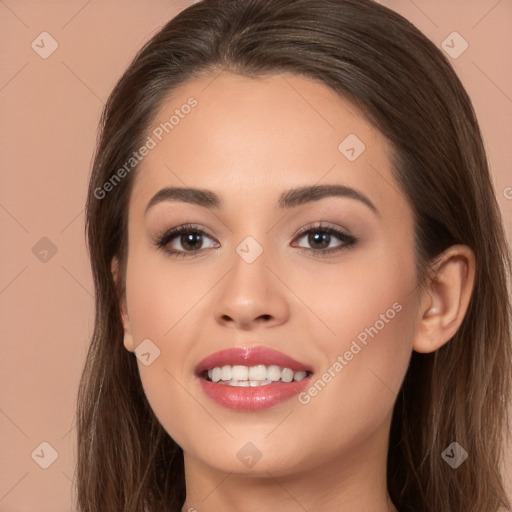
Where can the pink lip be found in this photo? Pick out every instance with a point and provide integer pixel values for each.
(251, 398)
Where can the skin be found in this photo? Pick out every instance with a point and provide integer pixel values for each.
(248, 140)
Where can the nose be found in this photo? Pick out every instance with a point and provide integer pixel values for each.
(252, 296)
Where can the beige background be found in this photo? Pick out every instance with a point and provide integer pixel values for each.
(49, 114)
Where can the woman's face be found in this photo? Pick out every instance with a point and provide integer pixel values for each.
(345, 314)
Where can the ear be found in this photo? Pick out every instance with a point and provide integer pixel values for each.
(445, 298)
(128, 338)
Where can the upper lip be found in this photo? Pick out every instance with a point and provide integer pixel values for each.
(250, 356)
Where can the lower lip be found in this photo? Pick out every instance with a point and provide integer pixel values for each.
(252, 398)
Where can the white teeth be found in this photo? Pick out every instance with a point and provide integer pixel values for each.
(239, 373)
(287, 375)
(274, 372)
(216, 374)
(257, 372)
(226, 373)
(247, 383)
(299, 375)
(259, 375)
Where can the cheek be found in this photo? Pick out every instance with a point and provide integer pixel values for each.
(162, 295)
(373, 318)
(365, 297)
(166, 306)
(352, 398)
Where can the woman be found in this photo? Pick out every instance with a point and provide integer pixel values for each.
(351, 356)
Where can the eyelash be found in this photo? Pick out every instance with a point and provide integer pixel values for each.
(348, 240)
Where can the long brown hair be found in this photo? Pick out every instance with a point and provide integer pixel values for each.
(405, 86)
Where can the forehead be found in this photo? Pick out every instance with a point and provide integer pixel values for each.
(258, 136)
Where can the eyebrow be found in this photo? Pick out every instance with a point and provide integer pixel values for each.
(288, 199)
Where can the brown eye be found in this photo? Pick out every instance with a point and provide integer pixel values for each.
(183, 241)
(320, 239)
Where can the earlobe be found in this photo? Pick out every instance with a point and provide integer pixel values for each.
(445, 299)
(128, 338)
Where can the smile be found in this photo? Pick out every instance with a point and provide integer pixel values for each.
(251, 379)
